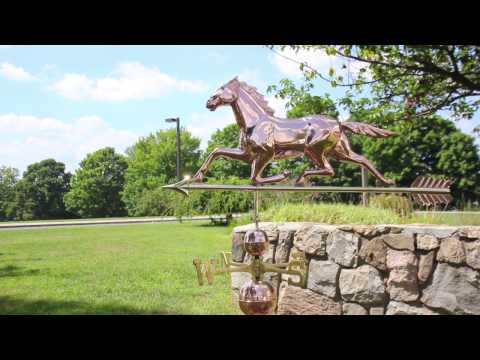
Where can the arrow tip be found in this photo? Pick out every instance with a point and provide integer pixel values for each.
(178, 187)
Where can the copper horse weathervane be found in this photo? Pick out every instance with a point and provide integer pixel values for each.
(264, 137)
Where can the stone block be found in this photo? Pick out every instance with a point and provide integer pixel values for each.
(353, 309)
(342, 248)
(298, 301)
(363, 285)
(323, 277)
(399, 308)
(374, 252)
(453, 289)
(451, 251)
(399, 241)
(427, 242)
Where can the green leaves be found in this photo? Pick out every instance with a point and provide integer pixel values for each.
(152, 163)
(228, 137)
(39, 194)
(97, 184)
(423, 145)
(437, 77)
(8, 180)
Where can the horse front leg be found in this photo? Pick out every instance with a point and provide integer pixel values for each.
(235, 154)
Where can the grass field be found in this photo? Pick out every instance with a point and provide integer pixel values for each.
(125, 269)
(145, 268)
(446, 218)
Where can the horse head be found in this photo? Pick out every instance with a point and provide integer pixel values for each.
(225, 95)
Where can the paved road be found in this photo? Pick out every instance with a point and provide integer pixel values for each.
(150, 220)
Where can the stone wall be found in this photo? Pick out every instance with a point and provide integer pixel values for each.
(376, 270)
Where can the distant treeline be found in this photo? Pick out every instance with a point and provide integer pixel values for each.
(108, 184)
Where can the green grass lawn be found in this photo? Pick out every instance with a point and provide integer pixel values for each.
(144, 268)
(448, 218)
(126, 269)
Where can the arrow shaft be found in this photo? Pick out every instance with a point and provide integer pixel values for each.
(340, 189)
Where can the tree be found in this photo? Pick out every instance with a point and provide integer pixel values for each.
(228, 137)
(152, 163)
(8, 180)
(39, 194)
(301, 103)
(426, 145)
(418, 79)
(96, 185)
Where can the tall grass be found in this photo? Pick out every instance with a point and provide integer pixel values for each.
(353, 214)
(330, 213)
(401, 205)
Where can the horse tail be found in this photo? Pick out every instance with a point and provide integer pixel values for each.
(366, 129)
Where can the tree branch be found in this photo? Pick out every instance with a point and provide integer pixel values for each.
(427, 67)
(320, 75)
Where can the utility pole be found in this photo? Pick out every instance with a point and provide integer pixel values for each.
(177, 120)
(364, 184)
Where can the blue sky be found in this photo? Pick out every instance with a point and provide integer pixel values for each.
(66, 101)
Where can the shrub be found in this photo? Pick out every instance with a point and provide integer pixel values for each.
(401, 205)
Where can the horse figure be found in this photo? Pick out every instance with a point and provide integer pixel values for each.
(264, 137)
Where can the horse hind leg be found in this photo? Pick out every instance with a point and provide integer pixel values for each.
(323, 167)
(258, 165)
(363, 161)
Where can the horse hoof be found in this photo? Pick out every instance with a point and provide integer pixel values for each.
(197, 178)
(299, 182)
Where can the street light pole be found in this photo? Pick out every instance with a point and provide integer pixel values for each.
(177, 120)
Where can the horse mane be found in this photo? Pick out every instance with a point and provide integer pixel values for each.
(259, 98)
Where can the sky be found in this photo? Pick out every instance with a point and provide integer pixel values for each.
(64, 102)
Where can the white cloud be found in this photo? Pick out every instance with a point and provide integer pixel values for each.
(28, 139)
(13, 72)
(129, 81)
(317, 59)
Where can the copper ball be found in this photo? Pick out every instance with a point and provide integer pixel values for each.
(257, 298)
(256, 242)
